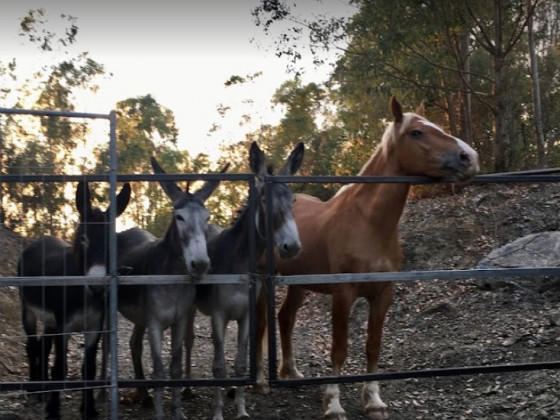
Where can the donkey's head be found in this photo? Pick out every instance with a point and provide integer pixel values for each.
(286, 236)
(187, 233)
(91, 242)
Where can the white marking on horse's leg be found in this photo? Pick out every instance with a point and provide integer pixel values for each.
(374, 407)
(331, 403)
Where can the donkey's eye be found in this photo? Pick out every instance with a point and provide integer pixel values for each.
(84, 240)
(180, 218)
(416, 133)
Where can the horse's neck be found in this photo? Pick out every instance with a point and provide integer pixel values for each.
(382, 203)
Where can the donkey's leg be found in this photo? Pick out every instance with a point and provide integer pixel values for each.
(219, 363)
(58, 373)
(136, 343)
(155, 338)
(91, 343)
(262, 386)
(286, 320)
(189, 342)
(175, 369)
(240, 365)
(341, 307)
(374, 407)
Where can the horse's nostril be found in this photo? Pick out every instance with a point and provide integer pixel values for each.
(464, 157)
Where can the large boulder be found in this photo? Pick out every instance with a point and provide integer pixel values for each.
(535, 250)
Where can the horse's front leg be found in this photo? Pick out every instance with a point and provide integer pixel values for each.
(341, 306)
(175, 369)
(240, 365)
(219, 363)
(155, 338)
(286, 321)
(374, 407)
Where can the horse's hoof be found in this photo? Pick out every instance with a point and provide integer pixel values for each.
(242, 416)
(331, 415)
(377, 413)
(263, 389)
(290, 374)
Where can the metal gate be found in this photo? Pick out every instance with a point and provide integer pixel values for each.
(113, 383)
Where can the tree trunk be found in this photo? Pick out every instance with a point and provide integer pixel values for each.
(539, 132)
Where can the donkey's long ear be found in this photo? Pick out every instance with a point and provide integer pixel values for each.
(123, 198)
(171, 188)
(257, 161)
(294, 161)
(83, 198)
(209, 186)
(396, 110)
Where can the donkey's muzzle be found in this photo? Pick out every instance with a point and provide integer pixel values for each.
(289, 250)
(198, 268)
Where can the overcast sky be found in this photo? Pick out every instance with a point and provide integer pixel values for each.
(180, 52)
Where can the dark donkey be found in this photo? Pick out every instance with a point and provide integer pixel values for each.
(229, 253)
(157, 307)
(67, 309)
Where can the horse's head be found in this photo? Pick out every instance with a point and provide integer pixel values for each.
(91, 243)
(286, 236)
(423, 148)
(187, 233)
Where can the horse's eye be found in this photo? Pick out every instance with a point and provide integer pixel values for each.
(415, 133)
(180, 218)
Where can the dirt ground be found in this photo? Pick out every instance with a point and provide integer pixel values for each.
(431, 324)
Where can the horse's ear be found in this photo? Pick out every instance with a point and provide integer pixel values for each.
(171, 188)
(396, 110)
(209, 186)
(83, 198)
(294, 161)
(257, 161)
(123, 198)
(421, 110)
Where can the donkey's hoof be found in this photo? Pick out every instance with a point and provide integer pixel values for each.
(188, 394)
(147, 402)
(231, 392)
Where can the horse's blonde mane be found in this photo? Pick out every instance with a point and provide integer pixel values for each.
(387, 141)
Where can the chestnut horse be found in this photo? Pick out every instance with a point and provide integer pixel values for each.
(356, 232)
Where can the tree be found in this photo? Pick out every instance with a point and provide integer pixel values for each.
(461, 58)
(46, 148)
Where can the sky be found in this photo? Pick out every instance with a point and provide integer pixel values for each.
(181, 52)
